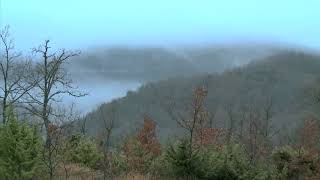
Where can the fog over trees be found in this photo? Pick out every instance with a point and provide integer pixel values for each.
(223, 111)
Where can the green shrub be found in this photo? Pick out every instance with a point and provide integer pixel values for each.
(183, 161)
(119, 163)
(160, 167)
(20, 149)
(228, 162)
(294, 163)
(83, 151)
(136, 157)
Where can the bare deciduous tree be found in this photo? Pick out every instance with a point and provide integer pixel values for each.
(230, 124)
(195, 119)
(59, 131)
(104, 138)
(84, 125)
(267, 115)
(243, 111)
(13, 72)
(52, 84)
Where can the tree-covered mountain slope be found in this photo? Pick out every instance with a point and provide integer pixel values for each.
(150, 64)
(285, 81)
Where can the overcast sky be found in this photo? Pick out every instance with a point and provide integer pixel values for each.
(87, 23)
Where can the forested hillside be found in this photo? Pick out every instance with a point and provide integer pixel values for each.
(150, 64)
(159, 90)
(257, 120)
(281, 85)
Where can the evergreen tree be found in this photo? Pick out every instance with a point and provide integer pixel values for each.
(182, 162)
(19, 150)
(83, 151)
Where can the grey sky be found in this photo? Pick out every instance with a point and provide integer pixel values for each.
(84, 23)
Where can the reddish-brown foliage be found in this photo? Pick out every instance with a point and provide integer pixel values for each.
(144, 147)
(200, 95)
(134, 156)
(147, 137)
(210, 136)
(52, 128)
(309, 134)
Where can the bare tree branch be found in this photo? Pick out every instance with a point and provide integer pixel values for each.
(14, 74)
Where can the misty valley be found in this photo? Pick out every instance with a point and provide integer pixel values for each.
(159, 90)
(99, 92)
(109, 74)
(161, 113)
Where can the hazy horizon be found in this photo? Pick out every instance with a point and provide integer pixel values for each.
(86, 24)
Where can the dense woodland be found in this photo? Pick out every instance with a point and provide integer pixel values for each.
(191, 120)
(151, 64)
(286, 81)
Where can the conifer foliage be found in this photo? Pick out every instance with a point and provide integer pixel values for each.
(20, 149)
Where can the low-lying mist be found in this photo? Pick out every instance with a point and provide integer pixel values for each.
(108, 73)
(100, 91)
